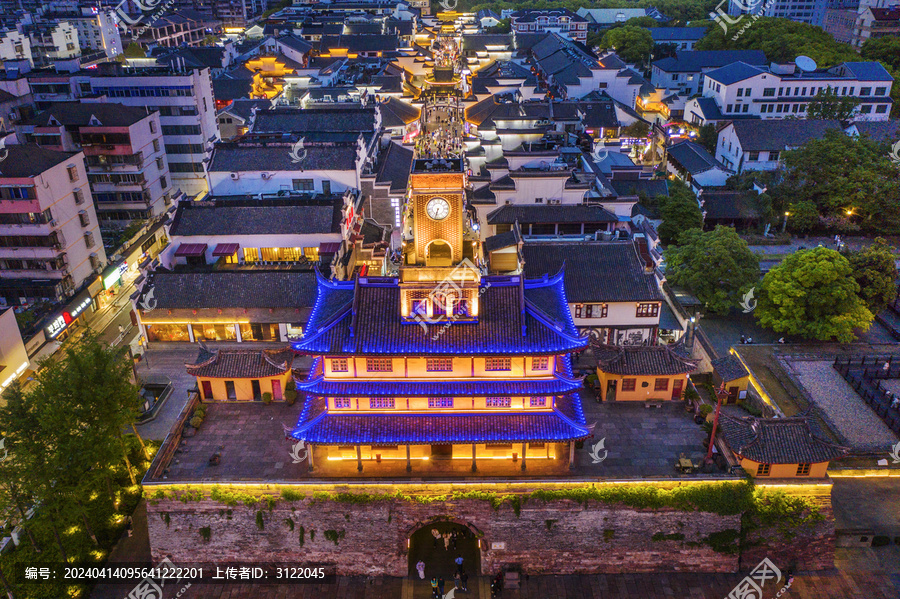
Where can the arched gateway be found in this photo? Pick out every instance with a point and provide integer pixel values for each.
(439, 555)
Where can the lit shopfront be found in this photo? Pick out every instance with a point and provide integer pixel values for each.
(68, 319)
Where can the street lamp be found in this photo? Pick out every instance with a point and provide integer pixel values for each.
(784, 222)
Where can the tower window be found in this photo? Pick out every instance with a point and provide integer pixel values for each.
(379, 365)
(341, 403)
(540, 363)
(498, 402)
(763, 469)
(440, 402)
(537, 402)
(381, 403)
(497, 364)
(339, 365)
(439, 364)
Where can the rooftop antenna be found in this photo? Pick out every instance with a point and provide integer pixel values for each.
(805, 64)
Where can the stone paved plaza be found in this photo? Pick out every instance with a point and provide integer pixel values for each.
(845, 409)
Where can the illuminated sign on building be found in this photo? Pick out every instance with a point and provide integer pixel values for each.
(59, 324)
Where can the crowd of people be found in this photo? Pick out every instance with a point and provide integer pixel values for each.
(460, 579)
(441, 135)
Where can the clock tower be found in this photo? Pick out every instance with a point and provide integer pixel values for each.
(441, 246)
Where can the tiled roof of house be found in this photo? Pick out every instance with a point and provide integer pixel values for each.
(396, 163)
(794, 440)
(480, 41)
(643, 360)
(397, 113)
(595, 272)
(234, 363)
(72, 114)
(734, 72)
(729, 368)
(694, 61)
(780, 135)
(228, 88)
(693, 157)
(258, 217)
(30, 160)
(296, 120)
(243, 107)
(243, 157)
(515, 317)
(502, 240)
(632, 187)
(888, 131)
(232, 289)
(729, 204)
(550, 213)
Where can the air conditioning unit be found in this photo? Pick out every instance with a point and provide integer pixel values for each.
(52, 222)
(235, 176)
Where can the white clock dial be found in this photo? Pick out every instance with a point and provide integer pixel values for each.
(438, 208)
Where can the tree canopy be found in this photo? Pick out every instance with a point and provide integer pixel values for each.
(717, 266)
(875, 270)
(632, 44)
(679, 212)
(885, 49)
(812, 294)
(781, 41)
(848, 179)
(134, 50)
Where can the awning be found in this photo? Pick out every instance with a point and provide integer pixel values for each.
(329, 247)
(191, 249)
(225, 249)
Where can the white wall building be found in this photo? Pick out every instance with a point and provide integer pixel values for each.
(759, 145)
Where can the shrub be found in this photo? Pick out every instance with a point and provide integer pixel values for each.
(290, 396)
(206, 533)
(260, 523)
(335, 535)
(196, 421)
(706, 410)
(267, 398)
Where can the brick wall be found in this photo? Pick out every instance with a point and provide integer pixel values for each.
(580, 539)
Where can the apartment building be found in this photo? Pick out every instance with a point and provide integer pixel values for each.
(124, 155)
(15, 46)
(183, 98)
(802, 11)
(97, 27)
(49, 232)
(51, 40)
(873, 22)
(685, 71)
(181, 28)
(782, 91)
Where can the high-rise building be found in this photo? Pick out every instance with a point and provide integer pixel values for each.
(49, 232)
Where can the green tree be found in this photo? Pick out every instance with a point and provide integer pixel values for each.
(803, 217)
(827, 104)
(708, 137)
(501, 27)
(134, 50)
(885, 49)
(679, 212)
(781, 41)
(875, 270)
(636, 129)
(632, 44)
(812, 294)
(839, 173)
(717, 266)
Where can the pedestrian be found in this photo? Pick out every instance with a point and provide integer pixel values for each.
(420, 568)
(743, 339)
(434, 588)
(441, 585)
(459, 562)
(464, 580)
(436, 534)
(447, 541)
(456, 581)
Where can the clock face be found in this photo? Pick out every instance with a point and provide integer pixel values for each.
(438, 208)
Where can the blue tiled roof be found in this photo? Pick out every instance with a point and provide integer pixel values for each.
(506, 325)
(734, 72)
(317, 425)
(438, 388)
(662, 35)
(869, 71)
(694, 61)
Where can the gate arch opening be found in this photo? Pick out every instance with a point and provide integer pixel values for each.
(439, 554)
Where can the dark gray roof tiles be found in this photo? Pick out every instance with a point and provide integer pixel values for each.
(257, 217)
(729, 368)
(793, 440)
(595, 272)
(233, 289)
(642, 360)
